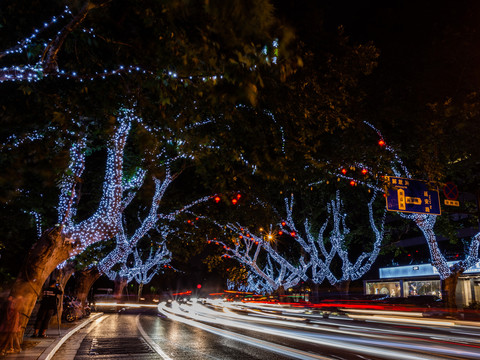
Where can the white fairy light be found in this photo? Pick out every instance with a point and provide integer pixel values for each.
(425, 222)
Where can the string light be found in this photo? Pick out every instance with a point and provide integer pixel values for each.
(424, 222)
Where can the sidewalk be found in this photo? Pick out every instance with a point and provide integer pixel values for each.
(45, 348)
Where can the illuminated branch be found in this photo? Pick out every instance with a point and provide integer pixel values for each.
(103, 224)
(125, 246)
(253, 251)
(49, 58)
(68, 194)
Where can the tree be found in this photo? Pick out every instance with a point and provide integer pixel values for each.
(183, 67)
(69, 237)
(272, 267)
(425, 222)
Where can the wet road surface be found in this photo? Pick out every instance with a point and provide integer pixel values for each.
(196, 331)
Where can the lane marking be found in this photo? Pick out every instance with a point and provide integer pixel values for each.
(52, 349)
(150, 341)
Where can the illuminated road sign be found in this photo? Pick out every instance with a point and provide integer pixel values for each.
(411, 196)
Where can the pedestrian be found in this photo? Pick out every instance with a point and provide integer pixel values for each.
(10, 325)
(48, 308)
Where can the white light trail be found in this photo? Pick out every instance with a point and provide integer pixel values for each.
(399, 346)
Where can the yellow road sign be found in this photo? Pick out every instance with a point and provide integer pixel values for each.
(451, 202)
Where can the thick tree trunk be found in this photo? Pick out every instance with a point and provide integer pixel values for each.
(44, 256)
(120, 283)
(84, 279)
(62, 276)
(449, 287)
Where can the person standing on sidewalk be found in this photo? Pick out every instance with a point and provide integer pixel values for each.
(48, 308)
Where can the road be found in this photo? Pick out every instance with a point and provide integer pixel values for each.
(253, 331)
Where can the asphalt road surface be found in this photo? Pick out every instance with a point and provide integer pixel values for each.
(238, 331)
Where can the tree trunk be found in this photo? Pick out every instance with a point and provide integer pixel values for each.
(140, 289)
(449, 287)
(120, 283)
(343, 287)
(84, 279)
(315, 295)
(62, 276)
(44, 256)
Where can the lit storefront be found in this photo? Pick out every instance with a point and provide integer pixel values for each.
(423, 279)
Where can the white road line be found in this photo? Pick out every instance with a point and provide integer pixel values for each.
(150, 342)
(52, 349)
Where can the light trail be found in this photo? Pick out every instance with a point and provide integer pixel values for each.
(281, 349)
(129, 305)
(373, 343)
(331, 341)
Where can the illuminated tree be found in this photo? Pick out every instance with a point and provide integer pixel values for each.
(86, 62)
(425, 222)
(312, 259)
(143, 271)
(336, 241)
(69, 237)
(270, 271)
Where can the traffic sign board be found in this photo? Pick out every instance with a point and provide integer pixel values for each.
(411, 196)
(450, 191)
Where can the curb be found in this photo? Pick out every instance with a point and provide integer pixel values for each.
(50, 351)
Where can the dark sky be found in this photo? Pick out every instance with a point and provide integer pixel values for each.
(417, 40)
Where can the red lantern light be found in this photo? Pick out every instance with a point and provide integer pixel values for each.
(284, 223)
(280, 232)
(364, 171)
(217, 199)
(239, 196)
(234, 201)
(381, 142)
(344, 171)
(353, 183)
(293, 234)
